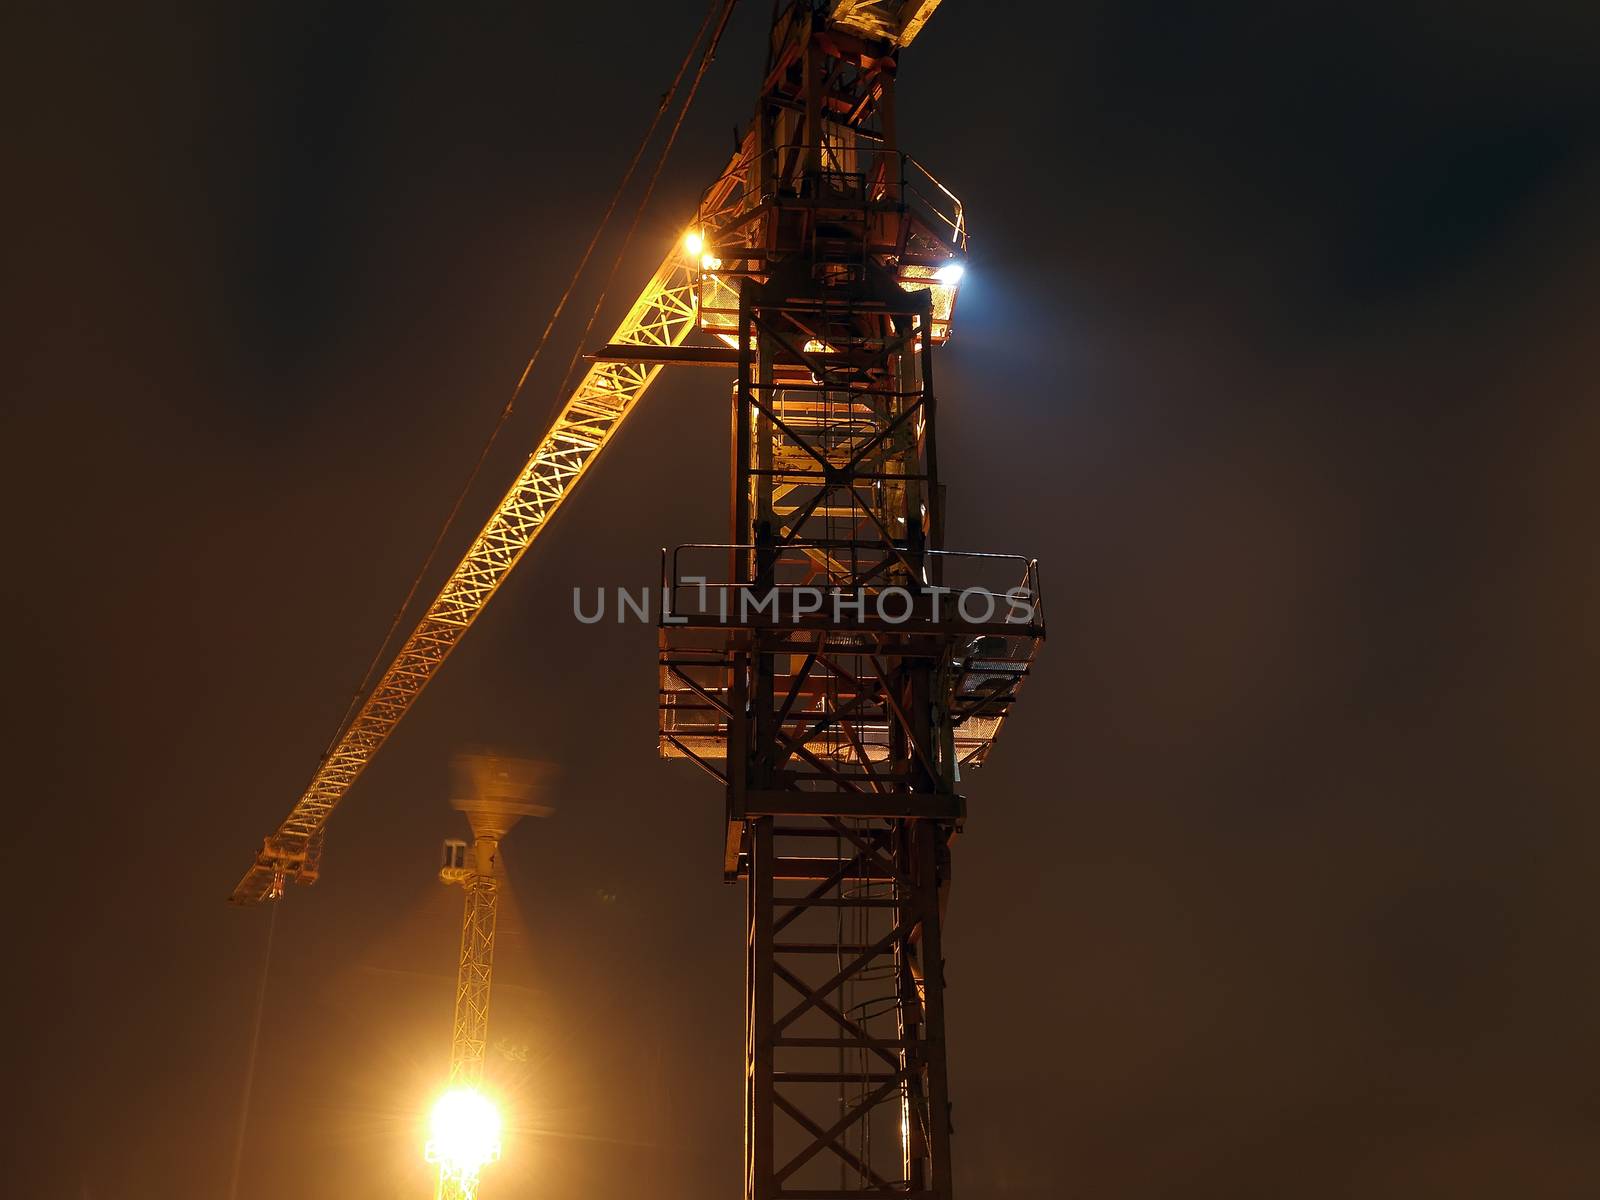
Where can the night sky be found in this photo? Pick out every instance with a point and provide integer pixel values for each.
(1277, 347)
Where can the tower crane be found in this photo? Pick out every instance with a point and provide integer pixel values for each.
(823, 267)
(495, 792)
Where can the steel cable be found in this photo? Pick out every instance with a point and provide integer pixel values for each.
(667, 97)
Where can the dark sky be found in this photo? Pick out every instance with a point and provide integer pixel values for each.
(1277, 348)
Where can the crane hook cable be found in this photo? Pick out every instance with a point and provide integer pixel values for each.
(627, 176)
(255, 1049)
(706, 60)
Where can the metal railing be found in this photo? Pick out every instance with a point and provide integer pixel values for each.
(866, 175)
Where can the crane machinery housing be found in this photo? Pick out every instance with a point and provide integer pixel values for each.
(823, 265)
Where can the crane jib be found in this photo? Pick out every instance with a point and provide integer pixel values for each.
(661, 317)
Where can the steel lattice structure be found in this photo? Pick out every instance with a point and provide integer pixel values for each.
(838, 729)
(475, 871)
(495, 794)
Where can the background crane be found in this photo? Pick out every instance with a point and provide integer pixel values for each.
(495, 792)
(827, 264)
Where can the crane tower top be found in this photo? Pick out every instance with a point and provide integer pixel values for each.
(495, 791)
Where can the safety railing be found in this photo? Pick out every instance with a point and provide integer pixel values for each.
(864, 175)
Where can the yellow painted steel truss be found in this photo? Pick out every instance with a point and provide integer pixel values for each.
(470, 1033)
(899, 21)
(469, 1040)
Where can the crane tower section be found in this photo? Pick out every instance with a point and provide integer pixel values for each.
(495, 792)
(833, 665)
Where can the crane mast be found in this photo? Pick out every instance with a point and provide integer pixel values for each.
(604, 397)
(495, 794)
(833, 666)
(473, 868)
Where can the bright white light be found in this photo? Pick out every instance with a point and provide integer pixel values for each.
(950, 274)
(465, 1133)
(694, 243)
(710, 262)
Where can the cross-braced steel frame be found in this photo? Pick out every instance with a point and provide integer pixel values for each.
(474, 973)
(469, 1038)
(846, 1082)
(823, 672)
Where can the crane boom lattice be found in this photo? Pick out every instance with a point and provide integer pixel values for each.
(608, 391)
